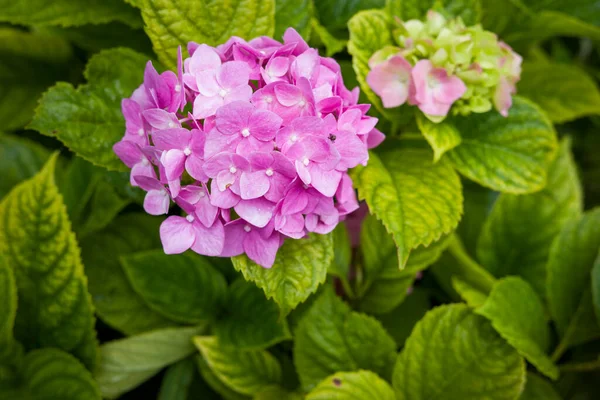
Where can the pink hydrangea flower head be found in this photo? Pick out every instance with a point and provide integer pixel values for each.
(262, 157)
(434, 89)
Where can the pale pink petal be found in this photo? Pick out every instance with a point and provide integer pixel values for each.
(232, 74)
(253, 184)
(262, 251)
(234, 239)
(174, 163)
(176, 234)
(232, 118)
(502, 97)
(178, 138)
(258, 212)
(204, 58)
(263, 125)
(157, 202)
(224, 199)
(161, 119)
(325, 182)
(206, 106)
(209, 241)
(206, 82)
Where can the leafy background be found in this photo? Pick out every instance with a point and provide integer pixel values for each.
(478, 270)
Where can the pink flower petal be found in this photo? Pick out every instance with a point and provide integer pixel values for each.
(209, 241)
(257, 212)
(176, 234)
(157, 202)
(253, 184)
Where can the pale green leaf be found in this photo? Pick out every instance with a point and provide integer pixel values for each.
(244, 371)
(215, 384)
(565, 92)
(331, 337)
(472, 295)
(8, 311)
(596, 286)
(417, 201)
(67, 12)
(506, 154)
(469, 10)
(334, 14)
(53, 374)
(116, 302)
(300, 267)
(295, 14)
(126, 363)
(518, 315)
(538, 388)
(359, 385)
(250, 320)
(453, 353)
(441, 136)
(55, 309)
(20, 159)
(400, 322)
(184, 287)
(173, 23)
(570, 263)
(88, 119)
(30, 62)
(518, 233)
(332, 44)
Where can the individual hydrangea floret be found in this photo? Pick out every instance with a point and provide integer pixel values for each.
(441, 65)
(251, 140)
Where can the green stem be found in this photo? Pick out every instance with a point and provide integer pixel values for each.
(580, 367)
(559, 351)
(468, 269)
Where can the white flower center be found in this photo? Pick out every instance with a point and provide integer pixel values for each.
(301, 103)
(141, 132)
(305, 161)
(269, 99)
(202, 194)
(262, 52)
(232, 169)
(190, 218)
(294, 137)
(171, 124)
(223, 93)
(245, 132)
(269, 172)
(305, 186)
(247, 228)
(187, 151)
(145, 161)
(178, 88)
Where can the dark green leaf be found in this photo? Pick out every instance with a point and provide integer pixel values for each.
(538, 388)
(296, 14)
(400, 322)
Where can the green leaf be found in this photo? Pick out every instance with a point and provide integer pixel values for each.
(342, 256)
(296, 14)
(441, 136)
(596, 286)
(538, 388)
(20, 159)
(67, 12)
(455, 354)
(211, 379)
(54, 374)
(244, 371)
(469, 10)
(518, 233)
(250, 320)
(8, 311)
(55, 309)
(178, 380)
(360, 385)
(30, 62)
(126, 363)
(88, 119)
(300, 267)
(185, 288)
(384, 285)
(331, 337)
(334, 14)
(478, 204)
(369, 32)
(400, 322)
(277, 393)
(417, 201)
(518, 315)
(506, 154)
(332, 44)
(571, 260)
(564, 91)
(173, 23)
(116, 302)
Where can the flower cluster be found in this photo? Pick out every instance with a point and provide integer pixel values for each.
(252, 140)
(441, 64)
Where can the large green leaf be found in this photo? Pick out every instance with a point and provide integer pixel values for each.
(384, 285)
(455, 354)
(538, 388)
(322, 37)
(185, 287)
(67, 12)
(293, 13)
(126, 363)
(300, 267)
(116, 302)
(359, 385)
(173, 23)
(417, 201)
(596, 286)
(30, 62)
(564, 91)
(244, 371)
(20, 159)
(215, 384)
(8, 311)
(177, 381)
(571, 260)
(400, 322)
(53, 374)
(518, 315)
(519, 231)
(441, 136)
(55, 309)
(334, 14)
(250, 320)
(479, 201)
(331, 337)
(469, 10)
(506, 154)
(88, 119)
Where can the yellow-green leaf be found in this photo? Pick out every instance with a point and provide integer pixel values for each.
(359, 385)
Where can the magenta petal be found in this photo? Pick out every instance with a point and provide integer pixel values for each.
(234, 239)
(303, 172)
(264, 124)
(205, 211)
(174, 163)
(374, 138)
(217, 143)
(223, 199)
(325, 182)
(178, 138)
(295, 201)
(257, 212)
(232, 74)
(205, 107)
(176, 234)
(253, 184)
(161, 119)
(288, 95)
(351, 148)
(157, 202)
(232, 118)
(262, 251)
(204, 58)
(128, 152)
(143, 168)
(209, 241)
(194, 167)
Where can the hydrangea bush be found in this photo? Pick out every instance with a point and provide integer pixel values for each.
(277, 199)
